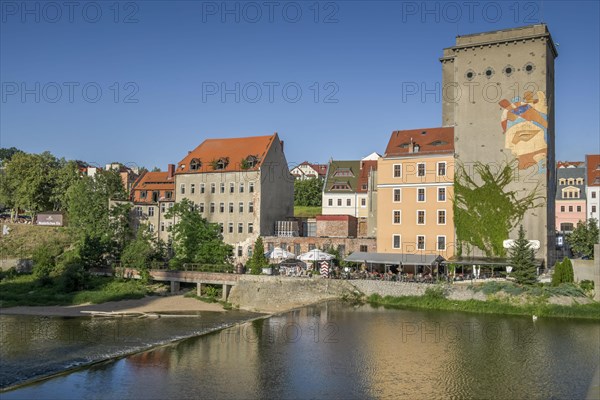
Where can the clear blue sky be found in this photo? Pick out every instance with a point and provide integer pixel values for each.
(172, 56)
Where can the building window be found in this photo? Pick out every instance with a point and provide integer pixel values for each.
(570, 208)
(349, 202)
(578, 208)
(250, 227)
(201, 208)
(182, 188)
(562, 181)
(212, 208)
(397, 219)
(441, 217)
(441, 194)
(593, 195)
(421, 194)
(241, 187)
(230, 207)
(162, 208)
(151, 211)
(339, 203)
(202, 188)
(363, 202)
(421, 169)
(420, 242)
(240, 251)
(250, 207)
(562, 208)
(221, 227)
(251, 187)
(241, 207)
(232, 187)
(151, 228)
(240, 227)
(162, 226)
(571, 181)
(195, 164)
(222, 188)
(397, 170)
(421, 217)
(311, 246)
(330, 202)
(396, 241)
(212, 188)
(441, 169)
(192, 188)
(221, 207)
(138, 211)
(143, 194)
(169, 194)
(397, 195)
(230, 227)
(364, 248)
(593, 209)
(441, 242)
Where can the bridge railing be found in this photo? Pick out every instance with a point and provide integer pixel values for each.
(164, 266)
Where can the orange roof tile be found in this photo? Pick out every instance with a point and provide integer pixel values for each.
(429, 140)
(592, 162)
(363, 178)
(234, 150)
(155, 181)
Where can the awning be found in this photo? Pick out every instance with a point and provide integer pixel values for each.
(500, 261)
(394, 259)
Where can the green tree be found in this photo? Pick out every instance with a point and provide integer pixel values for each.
(64, 176)
(308, 192)
(195, 240)
(563, 272)
(583, 238)
(258, 260)
(522, 260)
(7, 153)
(139, 253)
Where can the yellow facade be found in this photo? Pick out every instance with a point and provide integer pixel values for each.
(414, 204)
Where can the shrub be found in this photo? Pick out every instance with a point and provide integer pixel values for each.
(563, 272)
(44, 263)
(586, 285)
(74, 277)
(436, 292)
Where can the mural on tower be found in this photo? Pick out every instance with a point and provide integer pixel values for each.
(525, 124)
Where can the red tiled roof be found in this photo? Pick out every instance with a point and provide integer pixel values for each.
(155, 181)
(430, 141)
(592, 162)
(363, 178)
(320, 168)
(564, 164)
(234, 150)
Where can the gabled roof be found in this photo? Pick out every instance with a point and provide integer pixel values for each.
(231, 151)
(569, 164)
(592, 163)
(155, 181)
(365, 171)
(429, 141)
(348, 173)
(320, 169)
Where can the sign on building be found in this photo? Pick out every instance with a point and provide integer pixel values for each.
(49, 219)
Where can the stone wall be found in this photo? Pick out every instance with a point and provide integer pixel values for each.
(589, 270)
(401, 289)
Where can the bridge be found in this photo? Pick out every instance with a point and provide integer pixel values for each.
(200, 278)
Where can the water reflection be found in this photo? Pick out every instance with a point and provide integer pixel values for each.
(339, 351)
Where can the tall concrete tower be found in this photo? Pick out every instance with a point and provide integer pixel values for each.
(498, 93)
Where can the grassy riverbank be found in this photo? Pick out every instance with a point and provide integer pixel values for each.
(27, 291)
(433, 300)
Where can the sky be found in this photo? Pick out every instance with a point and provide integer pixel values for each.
(144, 82)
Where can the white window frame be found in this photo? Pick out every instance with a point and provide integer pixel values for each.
(202, 188)
(330, 203)
(424, 169)
(241, 188)
(445, 194)
(241, 206)
(437, 168)
(240, 227)
(230, 228)
(213, 188)
(192, 188)
(363, 202)
(250, 206)
(222, 187)
(339, 202)
(348, 202)
(445, 216)
(201, 207)
(231, 187)
(394, 195)
(151, 211)
(399, 241)
(221, 207)
(424, 195)
(424, 242)
(251, 187)
(394, 170)
(182, 188)
(394, 217)
(424, 217)
(437, 243)
(250, 227)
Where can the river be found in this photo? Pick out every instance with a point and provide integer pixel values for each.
(331, 350)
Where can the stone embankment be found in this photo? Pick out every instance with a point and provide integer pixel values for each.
(400, 289)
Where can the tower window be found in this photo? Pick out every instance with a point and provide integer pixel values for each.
(529, 68)
(508, 70)
(470, 74)
(489, 72)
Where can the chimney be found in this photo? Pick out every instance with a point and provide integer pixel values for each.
(171, 171)
(411, 146)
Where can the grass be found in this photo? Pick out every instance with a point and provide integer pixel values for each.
(24, 290)
(23, 239)
(436, 301)
(564, 289)
(305, 211)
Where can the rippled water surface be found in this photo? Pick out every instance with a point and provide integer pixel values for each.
(336, 351)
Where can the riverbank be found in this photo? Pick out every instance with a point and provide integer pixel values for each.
(149, 304)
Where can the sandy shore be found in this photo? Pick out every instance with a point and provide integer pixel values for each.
(147, 304)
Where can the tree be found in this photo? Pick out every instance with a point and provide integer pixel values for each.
(258, 260)
(195, 240)
(563, 272)
(308, 192)
(7, 153)
(522, 260)
(583, 238)
(139, 253)
(63, 178)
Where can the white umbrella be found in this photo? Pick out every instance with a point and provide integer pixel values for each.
(278, 252)
(315, 255)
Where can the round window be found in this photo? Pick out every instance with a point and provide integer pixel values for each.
(470, 74)
(508, 70)
(529, 68)
(489, 72)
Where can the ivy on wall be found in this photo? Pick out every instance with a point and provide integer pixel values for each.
(485, 210)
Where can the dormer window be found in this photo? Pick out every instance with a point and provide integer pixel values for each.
(343, 172)
(340, 186)
(562, 181)
(404, 145)
(438, 143)
(249, 162)
(143, 194)
(221, 163)
(416, 148)
(195, 164)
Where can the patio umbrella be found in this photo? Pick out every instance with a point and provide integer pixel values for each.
(315, 255)
(279, 253)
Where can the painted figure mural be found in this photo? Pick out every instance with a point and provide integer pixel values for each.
(525, 124)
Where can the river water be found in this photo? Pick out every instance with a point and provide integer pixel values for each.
(331, 350)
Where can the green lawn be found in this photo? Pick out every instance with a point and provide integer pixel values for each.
(304, 211)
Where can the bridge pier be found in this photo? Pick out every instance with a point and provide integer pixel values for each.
(199, 289)
(174, 286)
(226, 289)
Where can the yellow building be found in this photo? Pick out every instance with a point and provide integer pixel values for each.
(415, 190)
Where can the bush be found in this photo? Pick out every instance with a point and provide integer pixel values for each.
(436, 292)
(563, 272)
(12, 272)
(586, 285)
(44, 263)
(74, 277)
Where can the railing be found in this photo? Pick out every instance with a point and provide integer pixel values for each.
(164, 266)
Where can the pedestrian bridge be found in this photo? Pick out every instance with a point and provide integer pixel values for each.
(227, 280)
